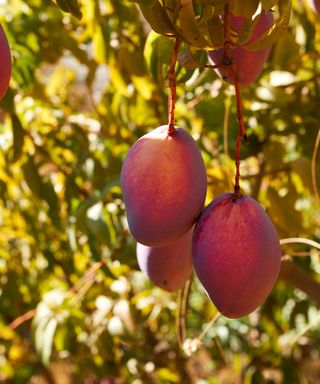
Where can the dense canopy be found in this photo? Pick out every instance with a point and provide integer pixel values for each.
(89, 78)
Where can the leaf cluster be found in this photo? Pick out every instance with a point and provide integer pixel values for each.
(82, 92)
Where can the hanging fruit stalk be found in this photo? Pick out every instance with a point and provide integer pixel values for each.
(228, 61)
(173, 87)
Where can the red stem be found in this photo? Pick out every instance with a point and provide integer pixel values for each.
(228, 60)
(242, 130)
(173, 87)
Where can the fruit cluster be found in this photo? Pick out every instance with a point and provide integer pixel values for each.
(232, 242)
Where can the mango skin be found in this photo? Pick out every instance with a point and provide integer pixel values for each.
(236, 254)
(315, 5)
(164, 184)
(5, 63)
(168, 267)
(248, 63)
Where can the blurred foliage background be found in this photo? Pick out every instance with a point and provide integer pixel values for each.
(74, 307)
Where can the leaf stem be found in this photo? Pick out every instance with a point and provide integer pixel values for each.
(173, 88)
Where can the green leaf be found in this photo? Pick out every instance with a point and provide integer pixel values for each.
(215, 32)
(302, 167)
(276, 31)
(145, 3)
(285, 51)
(244, 8)
(70, 6)
(158, 51)
(49, 195)
(62, 338)
(42, 189)
(164, 375)
(32, 177)
(132, 60)
(81, 212)
(172, 8)
(268, 4)
(188, 28)
(96, 223)
(18, 137)
(283, 213)
(157, 18)
(188, 61)
(7, 102)
(99, 45)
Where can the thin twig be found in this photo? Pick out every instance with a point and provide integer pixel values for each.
(300, 254)
(86, 276)
(76, 288)
(304, 331)
(208, 326)
(191, 345)
(22, 319)
(216, 339)
(181, 314)
(314, 168)
(219, 347)
(300, 240)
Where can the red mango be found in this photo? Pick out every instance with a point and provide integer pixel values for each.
(236, 254)
(168, 267)
(315, 5)
(5, 63)
(249, 64)
(164, 185)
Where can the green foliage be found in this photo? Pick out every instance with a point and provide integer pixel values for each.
(199, 25)
(81, 94)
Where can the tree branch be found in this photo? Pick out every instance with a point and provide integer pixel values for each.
(300, 279)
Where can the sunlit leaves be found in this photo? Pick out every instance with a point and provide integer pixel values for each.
(245, 9)
(82, 92)
(199, 23)
(277, 31)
